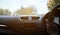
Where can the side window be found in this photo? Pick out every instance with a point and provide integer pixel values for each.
(56, 20)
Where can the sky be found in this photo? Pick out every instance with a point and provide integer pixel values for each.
(12, 5)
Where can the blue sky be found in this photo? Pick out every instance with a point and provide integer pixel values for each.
(12, 5)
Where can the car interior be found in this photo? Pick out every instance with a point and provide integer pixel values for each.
(15, 25)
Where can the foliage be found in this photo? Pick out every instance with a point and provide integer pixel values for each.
(5, 12)
(52, 3)
(25, 11)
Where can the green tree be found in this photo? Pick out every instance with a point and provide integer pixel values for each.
(1, 11)
(5, 12)
(52, 3)
(25, 11)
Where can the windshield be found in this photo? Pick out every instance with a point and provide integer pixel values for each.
(23, 7)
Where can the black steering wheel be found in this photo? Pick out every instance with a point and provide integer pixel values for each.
(51, 20)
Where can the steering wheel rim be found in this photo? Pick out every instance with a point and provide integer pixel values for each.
(48, 20)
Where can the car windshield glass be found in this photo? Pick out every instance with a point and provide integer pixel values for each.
(23, 7)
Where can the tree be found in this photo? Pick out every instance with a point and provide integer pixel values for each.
(25, 11)
(52, 3)
(5, 12)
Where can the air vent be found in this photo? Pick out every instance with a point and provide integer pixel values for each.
(35, 18)
(24, 18)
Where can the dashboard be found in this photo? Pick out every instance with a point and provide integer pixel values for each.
(31, 25)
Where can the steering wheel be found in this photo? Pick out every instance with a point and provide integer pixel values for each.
(48, 19)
